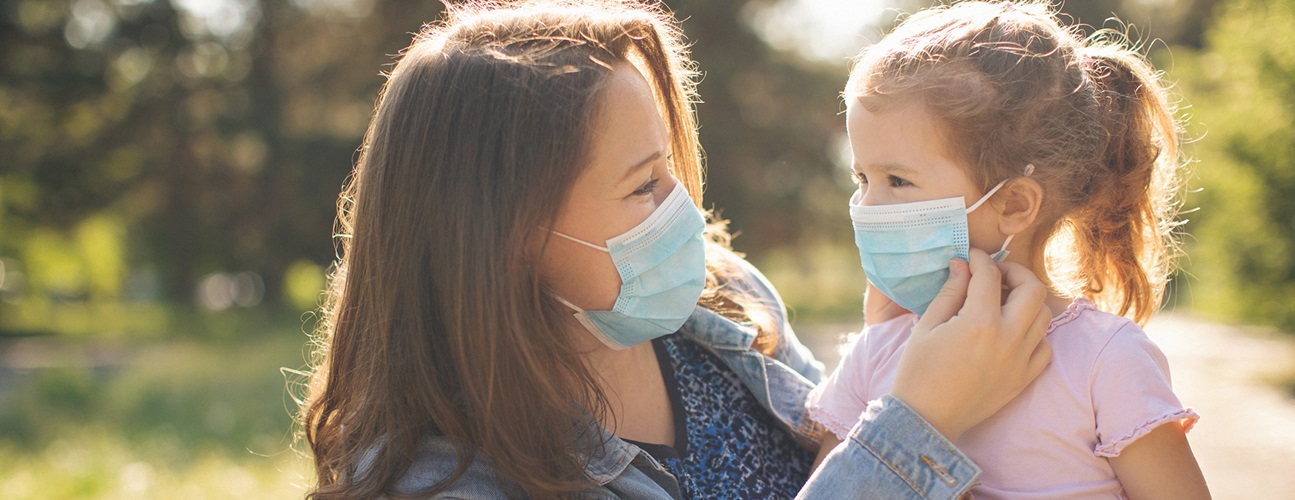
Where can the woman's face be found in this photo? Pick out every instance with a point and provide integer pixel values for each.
(627, 178)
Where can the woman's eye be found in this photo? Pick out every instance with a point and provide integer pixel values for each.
(647, 188)
(898, 182)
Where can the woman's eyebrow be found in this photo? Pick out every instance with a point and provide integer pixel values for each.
(645, 162)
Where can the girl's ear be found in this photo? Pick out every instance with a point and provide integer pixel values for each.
(1018, 205)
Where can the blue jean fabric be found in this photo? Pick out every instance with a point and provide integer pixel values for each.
(891, 452)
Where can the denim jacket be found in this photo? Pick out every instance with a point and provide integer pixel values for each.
(891, 452)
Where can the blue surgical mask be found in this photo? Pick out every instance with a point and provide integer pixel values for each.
(662, 265)
(906, 247)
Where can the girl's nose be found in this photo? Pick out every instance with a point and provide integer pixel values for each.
(866, 197)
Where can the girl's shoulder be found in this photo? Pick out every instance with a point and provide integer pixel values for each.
(887, 337)
(878, 344)
(1089, 338)
(1082, 322)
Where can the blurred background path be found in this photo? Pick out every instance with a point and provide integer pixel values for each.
(1245, 440)
(1238, 378)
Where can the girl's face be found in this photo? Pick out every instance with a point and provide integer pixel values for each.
(627, 178)
(900, 157)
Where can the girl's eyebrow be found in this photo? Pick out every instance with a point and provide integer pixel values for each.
(889, 168)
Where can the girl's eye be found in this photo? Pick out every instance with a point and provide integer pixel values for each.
(647, 187)
(860, 179)
(898, 182)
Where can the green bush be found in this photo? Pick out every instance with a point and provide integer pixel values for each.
(1240, 87)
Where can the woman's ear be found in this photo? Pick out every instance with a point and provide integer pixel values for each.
(1018, 205)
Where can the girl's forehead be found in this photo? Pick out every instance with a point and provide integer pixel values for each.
(904, 137)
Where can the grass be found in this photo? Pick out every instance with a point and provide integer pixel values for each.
(150, 401)
(203, 411)
(189, 416)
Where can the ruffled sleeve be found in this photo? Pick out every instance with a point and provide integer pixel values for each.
(1132, 393)
(835, 403)
(838, 402)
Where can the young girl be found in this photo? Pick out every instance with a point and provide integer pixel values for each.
(990, 126)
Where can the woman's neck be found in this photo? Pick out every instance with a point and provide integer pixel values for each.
(630, 378)
(639, 402)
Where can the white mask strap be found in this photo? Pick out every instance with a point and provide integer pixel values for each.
(567, 303)
(1002, 252)
(1029, 170)
(985, 198)
(580, 241)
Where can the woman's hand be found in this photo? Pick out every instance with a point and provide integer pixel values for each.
(878, 308)
(972, 352)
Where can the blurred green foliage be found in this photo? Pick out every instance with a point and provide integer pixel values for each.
(303, 285)
(1241, 252)
(181, 418)
(189, 153)
(146, 144)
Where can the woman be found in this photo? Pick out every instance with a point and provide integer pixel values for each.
(519, 240)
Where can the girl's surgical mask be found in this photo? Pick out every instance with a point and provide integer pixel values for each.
(905, 248)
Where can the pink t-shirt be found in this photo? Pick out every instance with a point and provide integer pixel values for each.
(1107, 386)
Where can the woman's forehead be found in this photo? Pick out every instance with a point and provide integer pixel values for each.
(628, 127)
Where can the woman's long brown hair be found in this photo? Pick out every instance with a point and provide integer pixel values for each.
(436, 323)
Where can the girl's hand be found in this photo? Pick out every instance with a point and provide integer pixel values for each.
(878, 308)
(972, 352)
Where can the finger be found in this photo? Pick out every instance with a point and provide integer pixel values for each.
(1025, 296)
(1016, 275)
(951, 297)
(985, 292)
(1039, 359)
(1029, 337)
(1042, 320)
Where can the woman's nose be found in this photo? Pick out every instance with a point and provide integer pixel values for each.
(667, 186)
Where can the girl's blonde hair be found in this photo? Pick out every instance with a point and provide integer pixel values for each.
(1012, 87)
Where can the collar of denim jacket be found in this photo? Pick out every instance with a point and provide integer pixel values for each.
(611, 458)
(714, 330)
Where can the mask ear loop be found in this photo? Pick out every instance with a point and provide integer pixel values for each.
(567, 303)
(1003, 251)
(577, 240)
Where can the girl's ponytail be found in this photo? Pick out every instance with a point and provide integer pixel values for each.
(1123, 233)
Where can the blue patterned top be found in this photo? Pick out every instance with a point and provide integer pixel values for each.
(731, 446)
